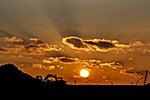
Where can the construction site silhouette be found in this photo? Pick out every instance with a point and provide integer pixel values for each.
(16, 84)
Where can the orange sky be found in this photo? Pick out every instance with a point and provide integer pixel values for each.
(108, 37)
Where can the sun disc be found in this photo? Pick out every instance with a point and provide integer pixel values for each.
(84, 73)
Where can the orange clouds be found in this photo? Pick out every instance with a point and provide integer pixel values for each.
(65, 60)
(102, 45)
(107, 59)
(38, 46)
(133, 72)
(40, 66)
(90, 63)
(2, 49)
(12, 39)
(33, 46)
(87, 45)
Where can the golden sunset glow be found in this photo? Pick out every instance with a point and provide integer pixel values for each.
(84, 73)
(92, 42)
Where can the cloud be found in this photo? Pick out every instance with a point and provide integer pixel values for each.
(136, 44)
(133, 72)
(36, 40)
(64, 60)
(2, 49)
(12, 39)
(41, 48)
(33, 46)
(40, 66)
(76, 42)
(146, 51)
(102, 45)
(38, 46)
(17, 45)
(89, 63)
(113, 65)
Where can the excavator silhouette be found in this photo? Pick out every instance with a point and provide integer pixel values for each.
(52, 79)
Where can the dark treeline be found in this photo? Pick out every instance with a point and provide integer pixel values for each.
(16, 84)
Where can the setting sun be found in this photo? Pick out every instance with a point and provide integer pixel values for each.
(84, 73)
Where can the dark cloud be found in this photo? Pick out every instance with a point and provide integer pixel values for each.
(27, 47)
(36, 41)
(65, 59)
(36, 48)
(54, 54)
(76, 42)
(101, 44)
(2, 49)
(88, 45)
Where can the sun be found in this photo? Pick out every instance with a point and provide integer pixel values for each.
(84, 73)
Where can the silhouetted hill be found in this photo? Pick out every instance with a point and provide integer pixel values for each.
(10, 73)
(14, 81)
(15, 84)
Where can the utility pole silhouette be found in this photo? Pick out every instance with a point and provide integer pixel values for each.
(145, 77)
(75, 82)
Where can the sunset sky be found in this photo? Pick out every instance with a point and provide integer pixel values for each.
(109, 38)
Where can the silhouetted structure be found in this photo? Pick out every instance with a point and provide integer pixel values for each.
(146, 72)
(55, 81)
(14, 83)
(138, 80)
(39, 77)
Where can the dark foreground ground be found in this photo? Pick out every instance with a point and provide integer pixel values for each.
(15, 84)
(76, 92)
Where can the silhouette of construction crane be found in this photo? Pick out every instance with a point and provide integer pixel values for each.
(57, 80)
(50, 75)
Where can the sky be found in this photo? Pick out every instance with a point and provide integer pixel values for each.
(109, 38)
